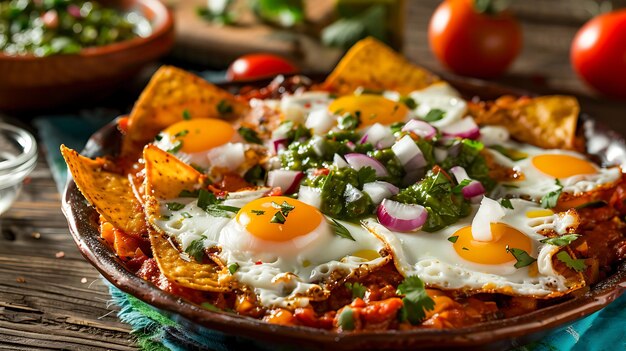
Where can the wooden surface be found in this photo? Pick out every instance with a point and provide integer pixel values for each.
(61, 304)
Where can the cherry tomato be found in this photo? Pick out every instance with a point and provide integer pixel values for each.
(598, 53)
(256, 66)
(471, 43)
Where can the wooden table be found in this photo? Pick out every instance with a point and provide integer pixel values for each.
(50, 298)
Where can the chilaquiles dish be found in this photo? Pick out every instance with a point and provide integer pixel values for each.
(378, 199)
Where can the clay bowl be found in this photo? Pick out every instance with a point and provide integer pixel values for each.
(29, 83)
(606, 145)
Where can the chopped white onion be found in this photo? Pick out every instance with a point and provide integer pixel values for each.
(352, 194)
(311, 196)
(379, 190)
(339, 161)
(228, 156)
(288, 181)
(409, 154)
(320, 121)
(358, 161)
(459, 173)
(379, 136)
(420, 128)
(493, 135)
(465, 128)
(490, 211)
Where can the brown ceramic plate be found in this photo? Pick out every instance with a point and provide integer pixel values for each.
(609, 148)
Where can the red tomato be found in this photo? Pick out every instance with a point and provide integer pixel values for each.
(472, 43)
(598, 53)
(256, 66)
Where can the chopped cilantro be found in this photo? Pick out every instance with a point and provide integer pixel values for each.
(196, 249)
(182, 133)
(174, 206)
(552, 198)
(285, 207)
(209, 203)
(506, 203)
(522, 257)
(366, 175)
(416, 301)
(453, 239)
(340, 230)
(409, 102)
(178, 144)
(258, 212)
(186, 115)
(223, 107)
(357, 289)
(561, 240)
(346, 319)
(278, 218)
(187, 193)
(249, 135)
(576, 264)
(158, 137)
(434, 115)
(348, 121)
(233, 267)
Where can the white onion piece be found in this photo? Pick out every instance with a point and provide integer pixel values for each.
(409, 154)
(401, 217)
(493, 135)
(352, 194)
(440, 154)
(339, 161)
(379, 190)
(420, 128)
(459, 173)
(473, 189)
(379, 136)
(311, 196)
(320, 121)
(228, 156)
(288, 181)
(317, 142)
(490, 211)
(465, 128)
(358, 161)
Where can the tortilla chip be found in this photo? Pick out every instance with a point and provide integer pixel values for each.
(110, 193)
(547, 121)
(373, 65)
(171, 93)
(167, 176)
(189, 274)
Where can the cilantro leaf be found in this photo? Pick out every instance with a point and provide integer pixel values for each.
(178, 144)
(278, 218)
(285, 207)
(182, 133)
(223, 107)
(522, 257)
(258, 212)
(416, 301)
(348, 122)
(196, 249)
(434, 115)
(249, 135)
(340, 230)
(506, 203)
(562, 240)
(366, 175)
(552, 198)
(357, 289)
(346, 318)
(186, 115)
(206, 199)
(187, 193)
(210, 204)
(576, 264)
(453, 239)
(174, 206)
(409, 102)
(459, 188)
(232, 268)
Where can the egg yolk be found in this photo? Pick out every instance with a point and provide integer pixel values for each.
(297, 217)
(491, 252)
(563, 166)
(370, 108)
(200, 134)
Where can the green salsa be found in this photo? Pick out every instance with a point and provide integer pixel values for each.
(49, 27)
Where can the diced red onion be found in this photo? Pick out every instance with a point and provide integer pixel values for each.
(459, 173)
(473, 189)
(350, 145)
(401, 217)
(287, 180)
(465, 128)
(339, 161)
(420, 128)
(279, 144)
(409, 154)
(358, 161)
(363, 139)
(379, 190)
(311, 196)
(379, 136)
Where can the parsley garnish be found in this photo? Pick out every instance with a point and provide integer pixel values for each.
(346, 319)
(522, 257)
(552, 198)
(366, 175)
(416, 301)
(174, 206)
(232, 268)
(186, 115)
(453, 239)
(178, 144)
(258, 212)
(348, 122)
(209, 203)
(278, 218)
(186, 215)
(409, 102)
(357, 289)
(223, 107)
(576, 264)
(196, 249)
(182, 133)
(560, 240)
(506, 203)
(434, 115)
(285, 207)
(340, 230)
(249, 135)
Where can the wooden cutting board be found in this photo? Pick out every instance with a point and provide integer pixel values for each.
(204, 43)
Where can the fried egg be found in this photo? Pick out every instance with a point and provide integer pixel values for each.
(440, 96)
(371, 109)
(285, 262)
(538, 169)
(452, 259)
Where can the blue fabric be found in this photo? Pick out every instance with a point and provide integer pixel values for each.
(603, 330)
